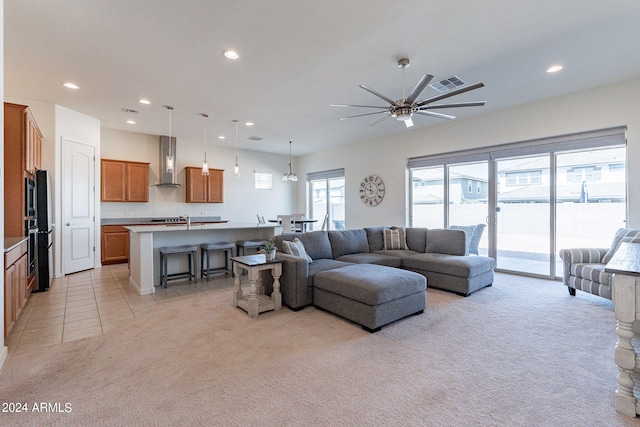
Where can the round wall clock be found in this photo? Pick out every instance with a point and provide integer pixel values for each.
(371, 190)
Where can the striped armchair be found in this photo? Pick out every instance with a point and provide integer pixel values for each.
(584, 267)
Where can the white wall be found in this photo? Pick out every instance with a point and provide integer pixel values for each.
(242, 202)
(604, 107)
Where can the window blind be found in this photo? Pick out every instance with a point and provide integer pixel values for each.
(576, 141)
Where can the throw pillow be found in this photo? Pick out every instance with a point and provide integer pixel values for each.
(296, 248)
(395, 238)
(626, 240)
(620, 234)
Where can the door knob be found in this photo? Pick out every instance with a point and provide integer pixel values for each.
(68, 224)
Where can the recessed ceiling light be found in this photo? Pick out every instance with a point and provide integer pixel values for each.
(131, 122)
(554, 68)
(70, 85)
(144, 101)
(249, 124)
(222, 137)
(230, 54)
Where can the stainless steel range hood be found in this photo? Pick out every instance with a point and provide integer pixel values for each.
(167, 179)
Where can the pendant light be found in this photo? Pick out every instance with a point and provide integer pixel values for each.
(236, 166)
(205, 165)
(290, 176)
(169, 165)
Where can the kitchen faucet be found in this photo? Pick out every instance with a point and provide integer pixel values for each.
(187, 218)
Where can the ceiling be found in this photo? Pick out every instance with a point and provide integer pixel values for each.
(297, 57)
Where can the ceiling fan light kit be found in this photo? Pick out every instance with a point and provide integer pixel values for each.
(404, 108)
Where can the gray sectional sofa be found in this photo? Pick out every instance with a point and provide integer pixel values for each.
(437, 254)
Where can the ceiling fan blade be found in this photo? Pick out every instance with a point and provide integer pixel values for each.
(461, 104)
(449, 94)
(360, 115)
(436, 115)
(420, 87)
(360, 106)
(381, 120)
(408, 123)
(379, 95)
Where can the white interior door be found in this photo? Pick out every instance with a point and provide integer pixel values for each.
(78, 206)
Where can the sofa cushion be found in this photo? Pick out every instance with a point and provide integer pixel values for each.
(449, 242)
(453, 265)
(344, 242)
(394, 238)
(372, 258)
(295, 248)
(416, 239)
(620, 234)
(397, 253)
(316, 243)
(371, 284)
(375, 238)
(323, 264)
(593, 272)
(469, 232)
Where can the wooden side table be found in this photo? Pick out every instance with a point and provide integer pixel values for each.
(257, 302)
(625, 266)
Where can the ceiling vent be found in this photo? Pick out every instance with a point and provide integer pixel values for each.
(255, 138)
(129, 110)
(448, 84)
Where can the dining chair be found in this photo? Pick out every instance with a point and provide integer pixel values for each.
(298, 227)
(324, 223)
(286, 221)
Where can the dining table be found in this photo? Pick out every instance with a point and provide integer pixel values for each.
(303, 222)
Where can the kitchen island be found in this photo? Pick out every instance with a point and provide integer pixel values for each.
(145, 240)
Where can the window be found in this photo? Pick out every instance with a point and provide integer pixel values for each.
(584, 173)
(326, 198)
(523, 178)
(537, 196)
(263, 180)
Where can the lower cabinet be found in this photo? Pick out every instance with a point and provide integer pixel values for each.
(15, 285)
(114, 244)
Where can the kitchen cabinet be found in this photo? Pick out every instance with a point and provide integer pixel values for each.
(124, 181)
(114, 244)
(15, 285)
(22, 156)
(204, 189)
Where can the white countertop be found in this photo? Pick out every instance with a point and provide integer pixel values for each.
(195, 227)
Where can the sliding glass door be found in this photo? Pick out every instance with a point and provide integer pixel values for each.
(590, 198)
(326, 199)
(523, 215)
(468, 196)
(536, 197)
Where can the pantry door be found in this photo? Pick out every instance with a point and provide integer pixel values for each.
(78, 206)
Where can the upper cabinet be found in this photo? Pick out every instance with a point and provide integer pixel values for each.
(202, 188)
(124, 181)
(22, 151)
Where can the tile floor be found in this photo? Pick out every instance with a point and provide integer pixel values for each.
(91, 303)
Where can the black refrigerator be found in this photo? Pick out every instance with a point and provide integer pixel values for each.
(45, 227)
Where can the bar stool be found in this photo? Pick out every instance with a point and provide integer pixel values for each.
(165, 252)
(206, 248)
(248, 244)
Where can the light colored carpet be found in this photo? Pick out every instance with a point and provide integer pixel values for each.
(520, 353)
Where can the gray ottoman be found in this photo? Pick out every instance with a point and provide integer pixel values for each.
(370, 295)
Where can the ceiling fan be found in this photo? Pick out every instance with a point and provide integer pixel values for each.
(403, 109)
